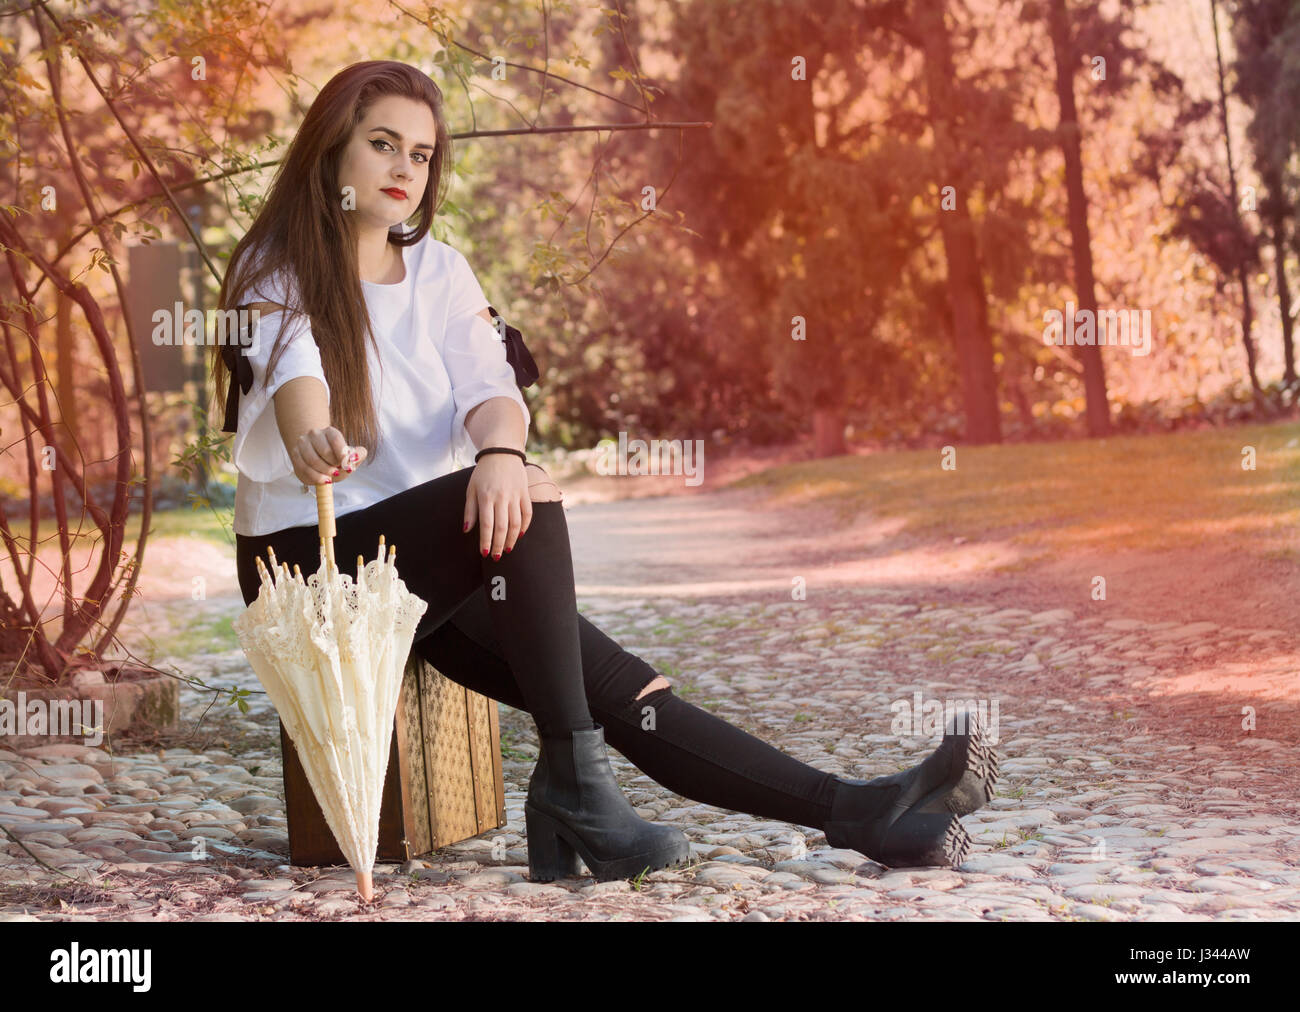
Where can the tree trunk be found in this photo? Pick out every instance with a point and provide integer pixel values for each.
(1277, 230)
(965, 281)
(70, 423)
(1284, 302)
(828, 433)
(1243, 274)
(1094, 373)
(1247, 325)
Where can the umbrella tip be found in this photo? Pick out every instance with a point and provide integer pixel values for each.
(365, 886)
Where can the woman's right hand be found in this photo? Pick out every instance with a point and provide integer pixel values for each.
(323, 455)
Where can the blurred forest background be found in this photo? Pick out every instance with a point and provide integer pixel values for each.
(858, 250)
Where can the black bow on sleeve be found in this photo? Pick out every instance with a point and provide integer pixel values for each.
(241, 374)
(517, 354)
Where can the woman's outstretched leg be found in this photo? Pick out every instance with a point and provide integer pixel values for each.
(906, 818)
(686, 749)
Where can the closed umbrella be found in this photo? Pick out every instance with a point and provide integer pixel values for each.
(330, 651)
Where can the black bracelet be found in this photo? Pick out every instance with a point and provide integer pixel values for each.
(501, 449)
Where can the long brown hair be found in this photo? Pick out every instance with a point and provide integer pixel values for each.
(304, 230)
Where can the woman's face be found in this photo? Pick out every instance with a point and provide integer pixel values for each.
(386, 161)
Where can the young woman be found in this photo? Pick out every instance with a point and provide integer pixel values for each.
(376, 368)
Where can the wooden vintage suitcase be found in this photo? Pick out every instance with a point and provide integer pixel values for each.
(444, 781)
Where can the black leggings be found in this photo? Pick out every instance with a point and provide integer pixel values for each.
(510, 630)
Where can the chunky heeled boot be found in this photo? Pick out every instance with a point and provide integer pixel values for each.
(925, 787)
(909, 819)
(869, 819)
(575, 807)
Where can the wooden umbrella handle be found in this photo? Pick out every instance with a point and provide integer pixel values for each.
(325, 519)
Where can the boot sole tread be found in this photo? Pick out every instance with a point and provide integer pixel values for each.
(974, 789)
(950, 849)
(973, 786)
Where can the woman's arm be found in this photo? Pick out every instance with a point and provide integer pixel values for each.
(300, 406)
(497, 496)
(496, 422)
(490, 424)
(317, 449)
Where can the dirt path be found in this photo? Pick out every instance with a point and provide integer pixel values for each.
(653, 535)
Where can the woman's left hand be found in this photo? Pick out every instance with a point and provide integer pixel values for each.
(498, 499)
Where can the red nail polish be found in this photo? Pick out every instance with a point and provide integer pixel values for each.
(465, 528)
(485, 553)
(497, 557)
(329, 481)
(507, 551)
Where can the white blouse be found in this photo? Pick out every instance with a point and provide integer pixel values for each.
(439, 359)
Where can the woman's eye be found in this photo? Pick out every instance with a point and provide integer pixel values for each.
(424, 157)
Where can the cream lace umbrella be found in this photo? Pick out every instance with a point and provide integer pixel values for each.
(330, 652)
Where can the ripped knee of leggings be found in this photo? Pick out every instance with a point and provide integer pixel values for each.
(645, 708)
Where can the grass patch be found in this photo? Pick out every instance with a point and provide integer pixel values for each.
(1150, 493)
(184, 522)
(205, 634)
(205, 522)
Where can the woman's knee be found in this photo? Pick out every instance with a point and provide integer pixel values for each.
(644, 709)
(658, 683)
(541, 488)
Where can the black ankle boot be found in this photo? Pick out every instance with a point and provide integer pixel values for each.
(575, 807)
(936, 785)
(909, 819)
(869, 819)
